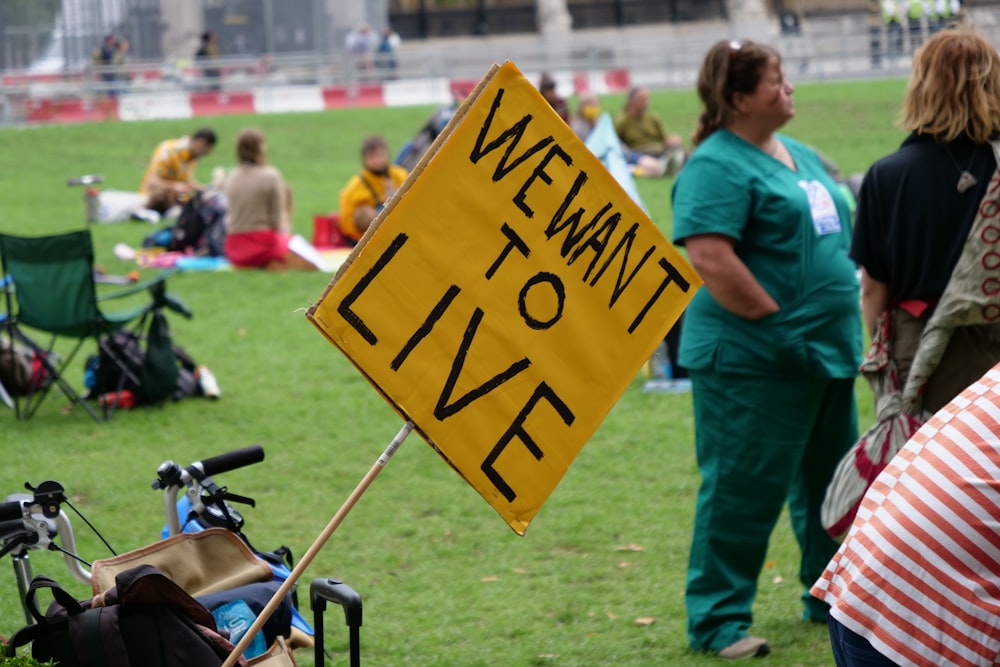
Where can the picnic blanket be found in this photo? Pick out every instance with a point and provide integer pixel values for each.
(161, 258)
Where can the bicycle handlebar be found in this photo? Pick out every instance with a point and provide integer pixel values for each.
(230, 460)
(11, 526)
(11, 511)
(171, 478)
(37, 529)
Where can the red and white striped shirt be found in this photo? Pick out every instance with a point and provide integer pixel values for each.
(918, 575)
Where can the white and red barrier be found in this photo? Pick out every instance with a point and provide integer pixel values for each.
(168, 104)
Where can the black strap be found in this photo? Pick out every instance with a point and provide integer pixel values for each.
(91, 622)
(22, 637)
(30, 633)
(71, 604)
(371, 189)
(281, 555)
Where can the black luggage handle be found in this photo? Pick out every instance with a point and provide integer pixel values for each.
(336, 591)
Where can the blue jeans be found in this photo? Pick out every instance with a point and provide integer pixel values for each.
(852, 650)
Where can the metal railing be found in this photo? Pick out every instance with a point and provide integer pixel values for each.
(833, 48)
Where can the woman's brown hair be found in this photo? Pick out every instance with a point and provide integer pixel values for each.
(728, 68)
(250, 146)
(954, 89)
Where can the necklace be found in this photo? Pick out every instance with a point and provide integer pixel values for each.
(965, 179)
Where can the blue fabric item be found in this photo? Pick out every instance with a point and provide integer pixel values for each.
(4, 282)
(202, 263)
(236, 617)
(603, 142)
(254, 598)
(158, 239)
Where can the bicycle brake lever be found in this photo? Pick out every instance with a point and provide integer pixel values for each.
(237, 498)
(167, 475)
(27, 533)
(48, 496)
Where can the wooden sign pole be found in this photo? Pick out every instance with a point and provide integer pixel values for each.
(310, 554)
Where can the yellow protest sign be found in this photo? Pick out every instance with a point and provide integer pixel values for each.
(507, 296)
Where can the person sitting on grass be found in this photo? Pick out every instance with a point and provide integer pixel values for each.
(169, 178)
(643, 133)
(588, 110)
(547, 87)
(366, 193)
(260, 213)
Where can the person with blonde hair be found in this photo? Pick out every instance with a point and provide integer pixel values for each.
(915, 582)
(776, 324)
(260, 213)
(917, 205)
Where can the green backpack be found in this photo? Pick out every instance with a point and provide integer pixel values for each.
(159, 365)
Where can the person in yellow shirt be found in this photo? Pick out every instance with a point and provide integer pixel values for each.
(366, 193)
(169, 178)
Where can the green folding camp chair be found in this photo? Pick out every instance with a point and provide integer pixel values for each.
(5, 396)
(51, 289)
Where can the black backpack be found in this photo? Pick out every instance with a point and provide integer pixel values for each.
(162, 371)
(145, 620)
(201, 227)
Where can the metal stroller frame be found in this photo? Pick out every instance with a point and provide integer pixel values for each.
(37, 521)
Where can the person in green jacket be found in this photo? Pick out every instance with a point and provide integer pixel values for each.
(772, 343)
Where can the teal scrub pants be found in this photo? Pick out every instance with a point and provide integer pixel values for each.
(759, 442)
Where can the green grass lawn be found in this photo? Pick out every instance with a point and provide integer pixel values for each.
(599, 577)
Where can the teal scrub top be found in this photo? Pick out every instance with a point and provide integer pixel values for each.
(792, 229)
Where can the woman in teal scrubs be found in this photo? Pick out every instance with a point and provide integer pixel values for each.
(772, 342)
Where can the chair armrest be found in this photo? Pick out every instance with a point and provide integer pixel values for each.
(157, 287)
(139, 286)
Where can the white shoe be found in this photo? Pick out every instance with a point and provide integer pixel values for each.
(650, 166)
(146, 215)
(124, 252)
(209, 385)
(748, 647)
